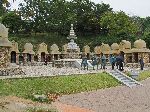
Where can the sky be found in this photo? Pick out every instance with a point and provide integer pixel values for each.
(132, 7)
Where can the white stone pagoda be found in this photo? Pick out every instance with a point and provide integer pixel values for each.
(72, 48)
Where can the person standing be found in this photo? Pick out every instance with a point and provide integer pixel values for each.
(121, 61)
(103, 61)
(84, 63)
(117, 62)
(141, 63)
(98, 62)
(94, 61)
(112, 61)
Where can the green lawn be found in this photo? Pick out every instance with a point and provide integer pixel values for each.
(60, 84)
(144, 75)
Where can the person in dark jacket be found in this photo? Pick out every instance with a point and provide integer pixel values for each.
(120, 61)
(112, 61)
(141, 63)
(94, 61)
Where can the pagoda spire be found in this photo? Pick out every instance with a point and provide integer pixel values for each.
(72, 34)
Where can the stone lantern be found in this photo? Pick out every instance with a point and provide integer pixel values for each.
(5, 46)
(42, 52)
(97, 50)
(55, 53)
(139, 51)
(125, 48)
(106, 50)
(115, 48)
(86, 51)
(28, 53)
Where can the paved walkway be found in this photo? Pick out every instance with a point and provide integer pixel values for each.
(68, 108)
(116, 99)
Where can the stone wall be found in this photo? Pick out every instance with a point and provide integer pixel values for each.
(4, 57)
(136, 65)
(11, 71)
(146, 57)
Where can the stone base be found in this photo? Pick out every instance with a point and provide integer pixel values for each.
(36, 64)
(11, 71)
(73, 56)
(136, 65)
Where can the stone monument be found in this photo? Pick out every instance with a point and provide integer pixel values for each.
(42, 52)
(54, 51)
(28, 53)
(72, 48)
(5, 46)
(14, 52)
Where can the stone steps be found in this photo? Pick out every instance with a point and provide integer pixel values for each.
(128, 81)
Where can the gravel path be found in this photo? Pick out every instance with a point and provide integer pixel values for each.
(40, 71)
(116, 99)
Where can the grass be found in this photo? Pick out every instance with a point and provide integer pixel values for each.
(41, 110)
(144, 75)
(59, 84)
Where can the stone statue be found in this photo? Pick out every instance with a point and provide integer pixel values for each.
(84, 62)
(95, 61)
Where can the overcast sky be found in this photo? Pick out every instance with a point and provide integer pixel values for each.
(132, 7)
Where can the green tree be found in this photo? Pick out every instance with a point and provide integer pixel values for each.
(13, 21)
(147, 38)
(146, 30)
(60, 17)
(4, 4)
(88, 14)
(33, 11)
(118, 24)
(146, 25)
(46, 15)
(57, 15)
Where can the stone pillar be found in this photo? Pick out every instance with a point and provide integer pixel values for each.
(52, 57)
(32, 58)
(125, 58)
(145, 57)
(58, 56)
(39, 58)
(133, 59)
(17, 58)
(140, 55)
(4, 57)
(25, 59)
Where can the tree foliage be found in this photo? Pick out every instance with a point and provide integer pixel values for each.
(57, 15)
(89, 19)
(118, 24)
(12, 21)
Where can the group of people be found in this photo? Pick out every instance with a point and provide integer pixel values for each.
(96, 61)
(117, 61)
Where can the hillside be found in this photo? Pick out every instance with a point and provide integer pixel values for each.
(54, 38)
(50, 39)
